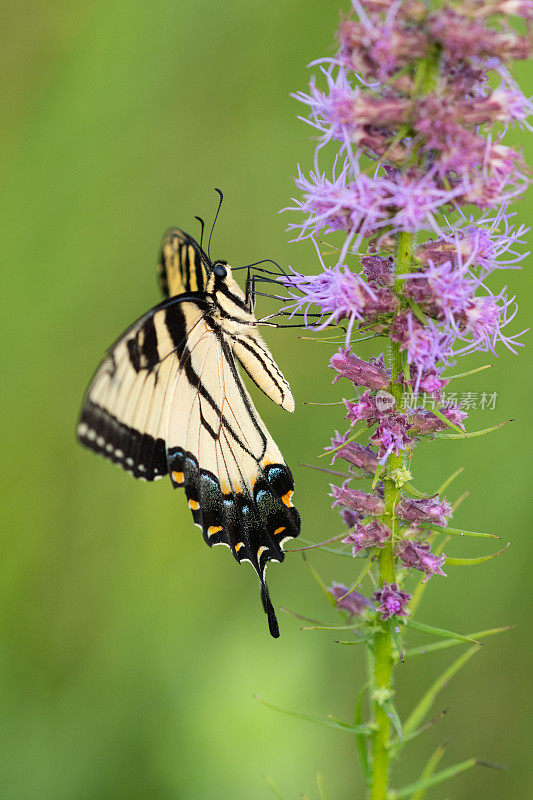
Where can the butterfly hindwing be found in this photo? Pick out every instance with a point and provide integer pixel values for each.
(237, 484)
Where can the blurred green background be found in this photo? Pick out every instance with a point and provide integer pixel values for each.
(130, 651)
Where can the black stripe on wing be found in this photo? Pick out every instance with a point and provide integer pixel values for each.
(253, 524)
(106, 435)
(138, 452)
(182, 265)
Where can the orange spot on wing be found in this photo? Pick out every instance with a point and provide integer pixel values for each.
(178, 477)
(213, 529)
(238, 546)
(194, 505)
(287, 498)
(279, 530)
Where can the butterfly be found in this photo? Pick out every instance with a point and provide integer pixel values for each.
(168, 399)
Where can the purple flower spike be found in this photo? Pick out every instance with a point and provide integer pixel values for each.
(354, 603)
(409, 196)
(426, 345)
(426, 511)
(379, 271)
(360, 372)
(340, 294)
(348, 114)
(463, 37)
(392, 435)
(357, 500)
(427, 380)
(442, 291)
(364, 408)
(391, 601)
(377, 49)
(373, 534)
(357, 454)
(419, 556)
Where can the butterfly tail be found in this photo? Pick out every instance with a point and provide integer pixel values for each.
(269, 611)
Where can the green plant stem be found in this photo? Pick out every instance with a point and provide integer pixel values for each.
(382, 663)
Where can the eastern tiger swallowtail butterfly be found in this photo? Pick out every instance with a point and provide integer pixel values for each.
(168, 400)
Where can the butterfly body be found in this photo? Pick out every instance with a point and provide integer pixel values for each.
(168, 399)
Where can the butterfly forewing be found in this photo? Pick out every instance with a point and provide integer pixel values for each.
(168, 398)
(124, 413)
(182, 266)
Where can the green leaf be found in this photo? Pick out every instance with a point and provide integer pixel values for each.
(360, 741)
(330, 627)
(361, 575)
(331, 471)
(429, 769)
(410, 489)
(300, 616)
(329, 721)
(423, 706)
(316, 545)
(320, 783)
(432, 780)
(470, 562)
(379, 470)
(447, 422)
(320, 582)
(365, 730)
(407, 376)
(323, 548)
(313, 403)
(472, 433)
(390, 710)
(337, 552)
(470, 372)
(458, 531)
(338, 342)
(396, 637)
(441, 632)
(417, 311)
(270, 783)
(396, 747)
(431, 647)
(357, 641)
(447, 482)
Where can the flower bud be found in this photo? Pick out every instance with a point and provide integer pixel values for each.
(391, 601)
(357, 500)
(357, 454)
(360, 372)
(354, 602)
(419, 556)
(373, 534)
(428, 511)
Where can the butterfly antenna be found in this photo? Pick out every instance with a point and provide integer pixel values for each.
(214, 222)
(269, 611)
(270, 261)
(202, 223)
